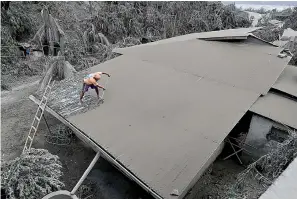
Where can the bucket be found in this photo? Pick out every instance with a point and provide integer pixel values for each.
(62, 194)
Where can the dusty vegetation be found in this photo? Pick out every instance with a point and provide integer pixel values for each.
(260, 10)
(269, 33)
(230, 180)
(272, 33)
(291, 22)
(92, 30)
(32, 175)
(266, 169)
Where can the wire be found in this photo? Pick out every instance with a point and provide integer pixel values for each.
(29, 47)
(13, 56)
(30, 56)
(87, 54)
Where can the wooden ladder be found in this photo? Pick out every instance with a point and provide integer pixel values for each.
(38, 115)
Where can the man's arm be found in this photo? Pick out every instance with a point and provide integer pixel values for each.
(94, 82)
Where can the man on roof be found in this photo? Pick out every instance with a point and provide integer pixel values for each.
(90, 81)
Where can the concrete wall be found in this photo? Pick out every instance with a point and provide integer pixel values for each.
(257, 135)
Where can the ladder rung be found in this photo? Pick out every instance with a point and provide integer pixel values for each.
(42, 106)
(37, 118)
(40, 112)
(30, 138)
(33, 128)
(43, 99)
(49, 87)
(42, 102)
(47, 90)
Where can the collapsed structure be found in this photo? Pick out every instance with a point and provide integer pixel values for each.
(170, 104)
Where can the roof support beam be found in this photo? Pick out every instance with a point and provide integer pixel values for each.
(86, 173)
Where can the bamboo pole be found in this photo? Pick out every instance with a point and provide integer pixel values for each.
(86, 173)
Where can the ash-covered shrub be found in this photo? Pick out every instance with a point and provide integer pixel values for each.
(32, 175)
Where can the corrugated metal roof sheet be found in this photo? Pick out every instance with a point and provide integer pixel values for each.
(278, 108)
(245, 65)
(239, 32)
(287, 81)
(168, 107)
(160, 123)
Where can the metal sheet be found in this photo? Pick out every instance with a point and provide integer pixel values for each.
(245, 65)
(162, 124)
(287, 81)
(167, 109)
(278, 108)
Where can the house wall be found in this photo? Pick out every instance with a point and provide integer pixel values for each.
(257, 135)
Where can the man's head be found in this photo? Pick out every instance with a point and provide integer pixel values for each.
(97, 75)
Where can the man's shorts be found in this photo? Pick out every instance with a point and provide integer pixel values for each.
(86, 87)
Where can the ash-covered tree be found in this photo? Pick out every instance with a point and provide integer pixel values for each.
(32, 175)
(51, 39)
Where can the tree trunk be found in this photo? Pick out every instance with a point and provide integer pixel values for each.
(58, 69)
(44, 81)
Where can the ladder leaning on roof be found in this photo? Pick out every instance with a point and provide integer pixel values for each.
(38, 115)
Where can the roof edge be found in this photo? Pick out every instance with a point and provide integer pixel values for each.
(224, 38)
(118, 50)
(254, 36)
(242, 36)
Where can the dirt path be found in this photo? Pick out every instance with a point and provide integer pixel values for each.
(17, 112)
(256, 16)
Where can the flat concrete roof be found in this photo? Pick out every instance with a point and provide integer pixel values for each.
(278, 108)
(161, 124)
(245, 65)
(287, 81)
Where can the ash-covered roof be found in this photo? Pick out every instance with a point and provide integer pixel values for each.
(287, 81)
(168, 107)
(239, 32)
